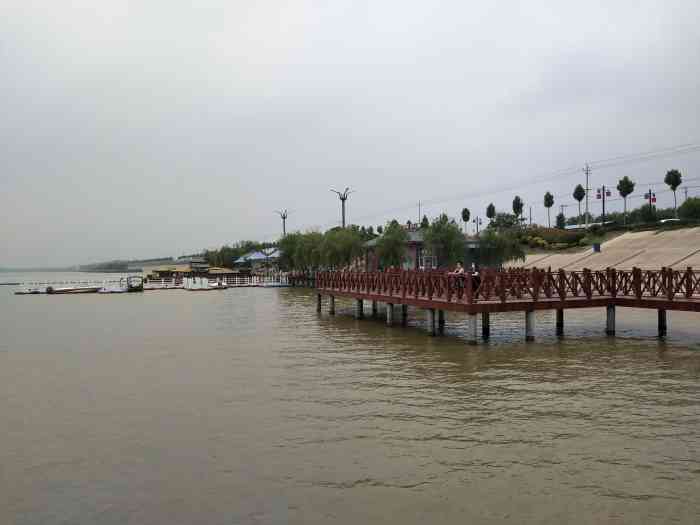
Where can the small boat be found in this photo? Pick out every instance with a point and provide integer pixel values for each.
(112, 289)
(79, 289)
(31, 291)
(274, 285)
(134, 283)
(202, 284)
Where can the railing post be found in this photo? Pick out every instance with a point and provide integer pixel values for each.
(637, 282)
(468, 287)
(612, 282)
(689, 282)
(670, 284)
(587, 283)
(562, 284)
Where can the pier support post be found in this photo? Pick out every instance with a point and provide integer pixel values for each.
(404, 314)
(610, 320)
(430, 312)
(389, 314)
(471, 329)
(441, 322)
(663, 325)
(331, 305)
(318, 302)
(485, 325)
(359, 309)
(374, 308)
(530, 326)
(560, 322)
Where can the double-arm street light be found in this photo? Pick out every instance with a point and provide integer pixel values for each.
(343, 196)
(283, 215)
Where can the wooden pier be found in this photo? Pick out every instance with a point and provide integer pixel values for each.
(525, 290)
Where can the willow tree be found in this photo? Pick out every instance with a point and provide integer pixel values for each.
(625, 187)
(548, 203)
(445, 240)
(341, 246)
(391, 246)
(496, 248)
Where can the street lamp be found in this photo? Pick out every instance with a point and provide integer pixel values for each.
(283, 215)
(343, 196)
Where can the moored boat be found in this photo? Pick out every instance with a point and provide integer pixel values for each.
(72, 289)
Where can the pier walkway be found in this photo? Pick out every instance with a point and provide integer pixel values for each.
(521, 289)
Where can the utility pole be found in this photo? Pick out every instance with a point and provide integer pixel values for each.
(477, 222)
(343, 196)
(587, 171)
(602, 193)
(419, 215)
(685, 191)
(283, 215)
(652, 198)
(530, 215)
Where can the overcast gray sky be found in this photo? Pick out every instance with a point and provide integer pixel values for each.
(142, 129)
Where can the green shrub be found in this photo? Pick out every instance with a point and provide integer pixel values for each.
(690, 209)
(556, 235)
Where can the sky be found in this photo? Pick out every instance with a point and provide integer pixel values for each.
(157, 128)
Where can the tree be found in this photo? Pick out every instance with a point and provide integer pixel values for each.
(424, 223)
(445, 240)
(673, 179)
(495, 248)
(517, 206)
(625, 187)
(503, 221)
(579, 195)
(690, 209)
(561, 221)
(391, 247)
(465, 217)
(548, 203)
(380, 229)
(490, 211)
(341, 246)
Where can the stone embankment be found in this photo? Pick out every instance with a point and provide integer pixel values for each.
(647, 250)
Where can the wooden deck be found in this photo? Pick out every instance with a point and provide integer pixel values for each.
(520, 289)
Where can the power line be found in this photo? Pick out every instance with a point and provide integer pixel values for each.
(599, 164)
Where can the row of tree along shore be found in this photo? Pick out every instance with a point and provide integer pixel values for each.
(506, 236)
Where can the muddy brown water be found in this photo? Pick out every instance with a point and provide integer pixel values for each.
(246, 406)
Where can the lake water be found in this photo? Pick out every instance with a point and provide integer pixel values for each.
(245, 406)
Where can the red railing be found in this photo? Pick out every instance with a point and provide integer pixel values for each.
(530, 284)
